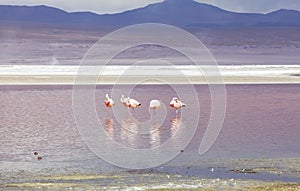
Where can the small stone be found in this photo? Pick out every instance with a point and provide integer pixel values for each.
(39, 158)
(35, 153)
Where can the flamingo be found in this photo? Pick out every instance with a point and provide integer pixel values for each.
(132, 103)
(108, 101)
(154, 104)
(124, 101)
(175, 103)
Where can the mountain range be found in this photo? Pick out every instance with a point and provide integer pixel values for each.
(183, 13)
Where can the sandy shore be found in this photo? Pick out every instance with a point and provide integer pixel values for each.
(154, 179)
(66, 75)
(142, 181)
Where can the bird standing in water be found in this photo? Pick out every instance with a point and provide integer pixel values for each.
(154, 104)
(176, 104)
(124, 101)
(108, 101)
(132, 103)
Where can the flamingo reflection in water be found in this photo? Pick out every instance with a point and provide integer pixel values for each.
(158, 135)
(155, 135)
(126, 134)
(109, 127)
(132, 135)
(176, 123)
(129, 131)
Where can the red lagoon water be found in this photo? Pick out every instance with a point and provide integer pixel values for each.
(261, 121)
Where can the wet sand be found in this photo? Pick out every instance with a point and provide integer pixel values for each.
(143, 181)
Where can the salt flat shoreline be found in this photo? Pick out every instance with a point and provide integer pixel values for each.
(154, 179)
(191, 74)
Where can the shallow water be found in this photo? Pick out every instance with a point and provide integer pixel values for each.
(262, 121)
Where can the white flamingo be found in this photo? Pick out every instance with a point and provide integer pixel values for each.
(176, 104)
(108, 101)
(124, 101)
(132, 103)
(154, 104)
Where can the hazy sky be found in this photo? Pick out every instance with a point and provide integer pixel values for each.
(113, 6)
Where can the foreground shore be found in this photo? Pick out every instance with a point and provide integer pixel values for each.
(234, 178)
(166, 182)
(67, 75)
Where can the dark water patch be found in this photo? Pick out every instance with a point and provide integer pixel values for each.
(295, 75)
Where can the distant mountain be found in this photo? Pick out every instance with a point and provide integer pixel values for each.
(175, 12)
